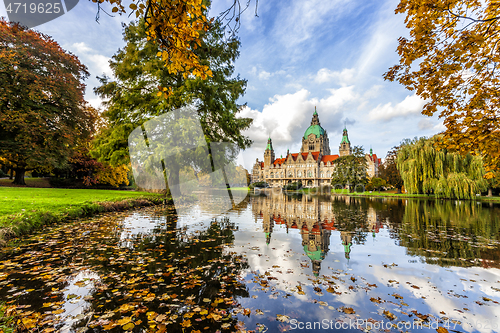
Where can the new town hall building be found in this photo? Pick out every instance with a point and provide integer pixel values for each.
(313, 166)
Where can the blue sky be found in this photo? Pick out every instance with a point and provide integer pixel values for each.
(297, 54)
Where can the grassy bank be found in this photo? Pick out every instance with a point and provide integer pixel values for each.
(23, 209)
(405, 195)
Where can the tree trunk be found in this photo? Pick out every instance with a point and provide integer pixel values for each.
(11, 174)
(490, 194)
(19, 179)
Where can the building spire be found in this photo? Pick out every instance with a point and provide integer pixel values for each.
(269, 143)
(315, 112)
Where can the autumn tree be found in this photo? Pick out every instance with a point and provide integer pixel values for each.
(425, 169)
(42, 110)
(350, 170)
(450, 59)
(177, 27)
(133, 98)
(388, 170)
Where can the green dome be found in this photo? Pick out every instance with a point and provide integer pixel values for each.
(315, 129)
(316, 255)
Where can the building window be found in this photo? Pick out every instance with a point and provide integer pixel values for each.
(309, 174)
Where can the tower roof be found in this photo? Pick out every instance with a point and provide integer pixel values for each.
(269, 144)
(314, 129)
(345, 138)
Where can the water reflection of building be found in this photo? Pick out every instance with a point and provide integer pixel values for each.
(316, 218)
(313, 217)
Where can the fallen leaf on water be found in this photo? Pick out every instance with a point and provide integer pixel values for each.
(282, 318)
(128, 327)
(389, 315)
(348, 310)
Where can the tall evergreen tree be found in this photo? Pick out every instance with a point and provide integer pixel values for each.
(133, 96)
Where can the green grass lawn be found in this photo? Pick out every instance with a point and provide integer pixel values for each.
(14, 200)
(23, 209)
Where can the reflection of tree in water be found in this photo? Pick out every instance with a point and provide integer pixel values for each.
(351, 219)
(451, 232)
(168, 279)
(163, 278)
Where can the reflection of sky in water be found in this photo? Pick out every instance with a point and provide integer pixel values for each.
(378, 267)
(75, 306)
(428, 289)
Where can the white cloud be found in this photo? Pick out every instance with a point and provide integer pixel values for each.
(98, 64)
(263, 75)
(425, 124)
(411, 105)
(343, 78)
(280, 118)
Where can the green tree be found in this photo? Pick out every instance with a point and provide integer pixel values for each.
(424, 169)
(133, 98)
(389, 171)
(42, 110)
(450, 60)
(377, 183)
(350, 171)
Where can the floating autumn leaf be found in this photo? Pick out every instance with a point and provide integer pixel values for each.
(186, 323)
(283, 318)
(389, 315)
(128, 327)
(126, 307)
(161, 318)
(348, 310)
(123, 321)
(441, 329)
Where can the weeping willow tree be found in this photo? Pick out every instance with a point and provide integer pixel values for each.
(425, 169)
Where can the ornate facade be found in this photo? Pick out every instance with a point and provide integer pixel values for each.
(313, 166)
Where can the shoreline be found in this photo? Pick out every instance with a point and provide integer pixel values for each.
(16, 225)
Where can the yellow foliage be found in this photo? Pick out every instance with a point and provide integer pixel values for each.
(450, 60)
(176, 26)
(114, 176)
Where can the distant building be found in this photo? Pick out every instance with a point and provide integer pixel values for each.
(313, 166)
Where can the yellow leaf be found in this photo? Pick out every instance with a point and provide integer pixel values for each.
(128, 327)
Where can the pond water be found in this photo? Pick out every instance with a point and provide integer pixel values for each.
(274, 263)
